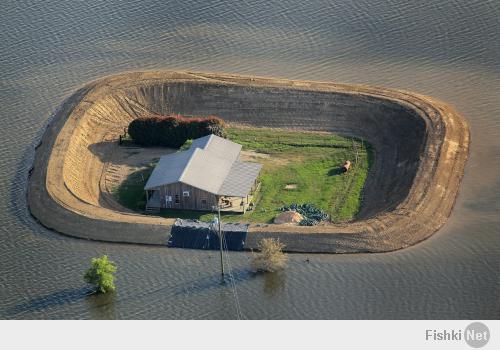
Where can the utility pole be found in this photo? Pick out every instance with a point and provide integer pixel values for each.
(220, 242)
(220, 238)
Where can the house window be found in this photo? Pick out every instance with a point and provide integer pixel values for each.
(177, 199)
(185, 194)
(204, 202)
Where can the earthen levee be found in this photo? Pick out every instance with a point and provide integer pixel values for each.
(420, 144)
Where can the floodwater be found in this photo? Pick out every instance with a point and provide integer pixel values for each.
(447, 49)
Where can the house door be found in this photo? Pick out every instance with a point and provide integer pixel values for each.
(168, 201)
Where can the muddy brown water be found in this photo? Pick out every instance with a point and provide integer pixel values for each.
(449, 50)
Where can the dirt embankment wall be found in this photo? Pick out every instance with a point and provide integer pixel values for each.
(420, 144)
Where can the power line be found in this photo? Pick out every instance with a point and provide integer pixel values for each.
(226, 259)
(233, 283)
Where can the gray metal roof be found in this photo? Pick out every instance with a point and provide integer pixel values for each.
(218, 145)
(206, 171)
(169, 169)
(240, 179)
(210, 164)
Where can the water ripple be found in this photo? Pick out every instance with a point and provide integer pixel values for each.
(448, 49)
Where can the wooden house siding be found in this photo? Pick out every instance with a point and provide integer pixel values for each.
(196, 200)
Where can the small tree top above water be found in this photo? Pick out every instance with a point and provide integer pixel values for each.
(271, 257)
(100, 274)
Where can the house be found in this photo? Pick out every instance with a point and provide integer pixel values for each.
(207, 175)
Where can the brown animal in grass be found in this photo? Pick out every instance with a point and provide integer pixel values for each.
(346, 166)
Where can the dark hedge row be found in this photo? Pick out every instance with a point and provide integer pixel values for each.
(174, 130)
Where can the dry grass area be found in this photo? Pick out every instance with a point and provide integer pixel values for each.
(126, 171)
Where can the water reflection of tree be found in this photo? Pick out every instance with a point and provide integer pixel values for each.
(274, 283)
(102, 306)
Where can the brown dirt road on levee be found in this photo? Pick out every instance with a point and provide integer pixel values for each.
(421, 146)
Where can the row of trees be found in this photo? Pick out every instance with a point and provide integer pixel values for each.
(174, 130)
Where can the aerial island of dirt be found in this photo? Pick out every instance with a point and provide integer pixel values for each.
(392, 161)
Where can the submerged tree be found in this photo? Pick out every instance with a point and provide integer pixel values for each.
(271, 257)
(100, 274)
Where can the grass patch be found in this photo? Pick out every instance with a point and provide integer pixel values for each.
(309, 161)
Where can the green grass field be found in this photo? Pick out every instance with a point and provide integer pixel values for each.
(311, 161)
